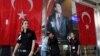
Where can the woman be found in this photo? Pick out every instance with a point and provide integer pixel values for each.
(26, 41)
(53, 45)
(74, 44)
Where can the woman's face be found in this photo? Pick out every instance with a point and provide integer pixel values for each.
(72, 35)
(25, 24)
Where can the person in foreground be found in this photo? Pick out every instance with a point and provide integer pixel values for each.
(25, 42)
(53, 44)
(74, 45)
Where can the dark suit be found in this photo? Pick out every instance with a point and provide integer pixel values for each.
(53, 44)
(62, 32)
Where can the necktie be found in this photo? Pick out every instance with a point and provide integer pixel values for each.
(58, 18)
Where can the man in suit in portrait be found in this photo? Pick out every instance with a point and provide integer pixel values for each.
(57, 23)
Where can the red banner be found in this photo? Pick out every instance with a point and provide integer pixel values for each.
(12, 12)
(87, 32)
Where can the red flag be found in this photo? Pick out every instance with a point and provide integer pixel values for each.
(87, 33)
(12, 12)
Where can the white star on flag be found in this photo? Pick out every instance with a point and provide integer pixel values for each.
(87, 27)
(7, 21)
(21, 15)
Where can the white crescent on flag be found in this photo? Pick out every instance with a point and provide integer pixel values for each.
(86, 14)
(12, 3)
(30, 1)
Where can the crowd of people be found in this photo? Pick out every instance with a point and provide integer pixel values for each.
(56, 30)
(27, 46)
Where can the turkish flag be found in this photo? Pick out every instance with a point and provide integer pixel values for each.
(86, 25)
(12, 12)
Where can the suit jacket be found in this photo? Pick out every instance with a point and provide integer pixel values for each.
(52, 26)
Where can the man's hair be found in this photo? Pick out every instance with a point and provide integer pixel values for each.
(49, 32)
(54, 6)
(59, 1)
(56, 3)
(72, 32)
(24, 21)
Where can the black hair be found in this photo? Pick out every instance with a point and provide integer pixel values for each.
(54, 6)
(49, 32)
(59, 1)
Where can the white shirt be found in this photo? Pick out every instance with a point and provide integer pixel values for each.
(44, 43)
(58, 21)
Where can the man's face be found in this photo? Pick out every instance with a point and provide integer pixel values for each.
(58, 8)
(25, 24)
(51, 35)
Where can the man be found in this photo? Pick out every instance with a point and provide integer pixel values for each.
(53, 44)
(26, 41)
(58, 23)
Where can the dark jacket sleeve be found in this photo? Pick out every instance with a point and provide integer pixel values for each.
(33, 35)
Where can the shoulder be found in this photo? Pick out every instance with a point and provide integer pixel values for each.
(51, 17)
(77, 39)
(31, 31)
